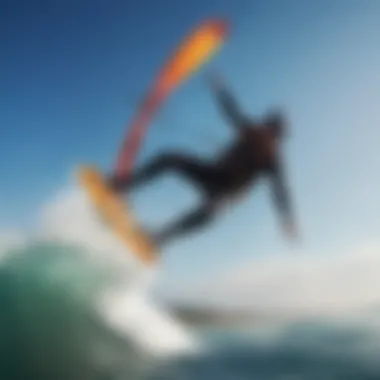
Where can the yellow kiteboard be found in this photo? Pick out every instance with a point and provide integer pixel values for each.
(116, 214)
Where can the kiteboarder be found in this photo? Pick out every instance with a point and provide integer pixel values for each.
(255, 152)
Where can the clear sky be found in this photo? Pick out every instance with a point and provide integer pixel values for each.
(72, 72)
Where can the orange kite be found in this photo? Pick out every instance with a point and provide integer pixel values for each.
(194, 51)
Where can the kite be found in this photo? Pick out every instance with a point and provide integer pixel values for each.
(195, 50)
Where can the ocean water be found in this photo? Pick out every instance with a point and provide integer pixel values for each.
(75, 305)
(66, 315)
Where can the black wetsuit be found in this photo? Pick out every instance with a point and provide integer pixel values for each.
(252, 153)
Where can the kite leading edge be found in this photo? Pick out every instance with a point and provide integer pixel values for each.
(194, 51)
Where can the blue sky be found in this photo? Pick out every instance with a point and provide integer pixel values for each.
(73, 71)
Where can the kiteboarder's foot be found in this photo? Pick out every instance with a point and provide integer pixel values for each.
(117, 184)
(156, 238)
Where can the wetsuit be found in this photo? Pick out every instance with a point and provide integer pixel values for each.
(253, 153)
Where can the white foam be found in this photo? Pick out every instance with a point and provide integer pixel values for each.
(131, 312)
(127, 308)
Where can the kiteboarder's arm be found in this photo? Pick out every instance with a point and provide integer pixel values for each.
(282, 200)
(227, 102)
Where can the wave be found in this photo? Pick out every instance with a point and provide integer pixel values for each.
(67, 315)
(74, 304)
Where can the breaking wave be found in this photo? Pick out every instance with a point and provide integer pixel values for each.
(76, 305)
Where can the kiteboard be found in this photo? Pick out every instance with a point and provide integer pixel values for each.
(115, 212)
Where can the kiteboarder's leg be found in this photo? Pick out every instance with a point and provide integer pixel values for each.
(196, 219)
(190, 167)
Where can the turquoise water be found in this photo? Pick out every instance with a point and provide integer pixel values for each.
(51, 328)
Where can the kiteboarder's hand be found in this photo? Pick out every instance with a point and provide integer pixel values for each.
(291, 231)
(215, 81)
